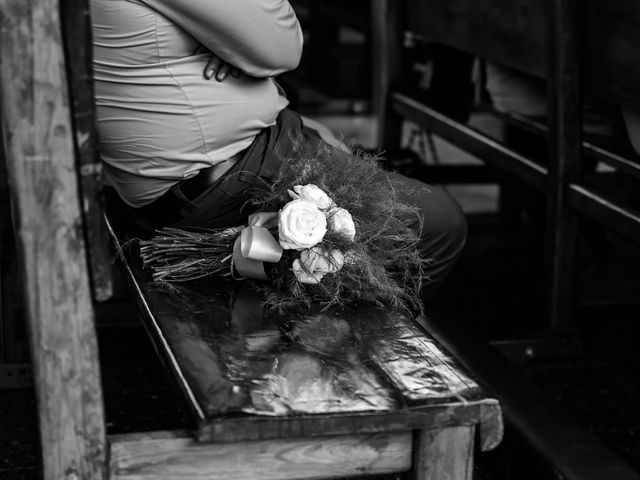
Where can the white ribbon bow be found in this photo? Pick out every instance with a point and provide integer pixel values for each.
(256, 245)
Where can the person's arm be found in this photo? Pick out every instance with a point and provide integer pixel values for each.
(260, 37)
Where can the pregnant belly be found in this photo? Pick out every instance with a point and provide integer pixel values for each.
(172, 112)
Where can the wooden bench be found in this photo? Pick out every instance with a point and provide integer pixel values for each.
(329, 394)
(544, 39)
(392, 398)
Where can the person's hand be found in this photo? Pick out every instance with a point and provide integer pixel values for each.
(219, 69)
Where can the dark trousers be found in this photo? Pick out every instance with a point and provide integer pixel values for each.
(224, 203)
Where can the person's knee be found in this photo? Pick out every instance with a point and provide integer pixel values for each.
(444, 226)
(445, 229)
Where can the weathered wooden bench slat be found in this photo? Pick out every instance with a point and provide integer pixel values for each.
(175, 455)
(485, 412)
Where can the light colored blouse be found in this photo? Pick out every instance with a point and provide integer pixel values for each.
(159, 119)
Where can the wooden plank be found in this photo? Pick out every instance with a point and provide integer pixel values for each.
(43, 184)
(565, 146)
(489, 150)
(445, 453)
(77, 42)
(176, 456)
(245, 428)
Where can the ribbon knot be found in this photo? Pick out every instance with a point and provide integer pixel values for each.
(256, 245)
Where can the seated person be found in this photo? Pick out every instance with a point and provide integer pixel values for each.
(176, 139)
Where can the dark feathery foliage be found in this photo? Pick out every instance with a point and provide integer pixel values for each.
(382, 267)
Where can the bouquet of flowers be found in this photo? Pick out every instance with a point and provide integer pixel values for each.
(329, 231)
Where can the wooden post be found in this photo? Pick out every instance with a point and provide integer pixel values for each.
(76, 30)
(443, 453)
(43, 184)
(564, 157)
(385, 17)
(177, 456)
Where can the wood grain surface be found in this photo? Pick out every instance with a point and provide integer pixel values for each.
(51, 251)
(443, 454)
(175, 456)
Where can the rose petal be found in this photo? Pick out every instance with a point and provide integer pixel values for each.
(314, 194)
(341, 222)
(300, 225)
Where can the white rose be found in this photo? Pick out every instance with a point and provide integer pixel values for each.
(300, 225)
(315, 263)
(312, 194)
(342, 222)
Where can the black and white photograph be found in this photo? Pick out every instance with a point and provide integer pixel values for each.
(309, 240)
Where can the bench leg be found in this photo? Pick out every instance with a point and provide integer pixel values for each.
(444, 454)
